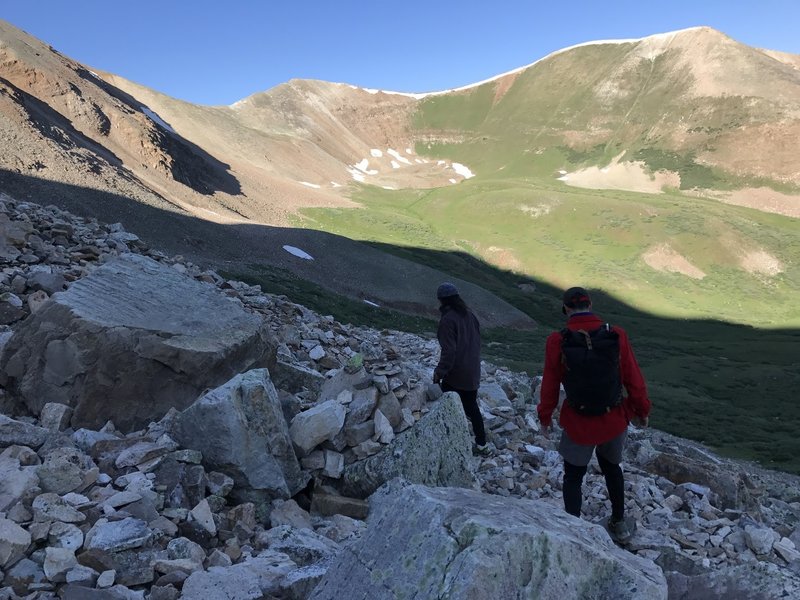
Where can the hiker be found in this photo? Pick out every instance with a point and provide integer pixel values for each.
(595, 415)
(459, 368)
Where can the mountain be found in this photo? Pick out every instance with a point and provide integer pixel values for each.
(689, 115)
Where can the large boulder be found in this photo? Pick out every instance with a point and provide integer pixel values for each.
(437, 451)
(240, 430)
(425, 543)
(130, 341)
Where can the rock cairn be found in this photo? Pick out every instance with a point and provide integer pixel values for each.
(174, 510)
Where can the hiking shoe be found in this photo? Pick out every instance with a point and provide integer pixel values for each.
(484, 450)
(621, 531)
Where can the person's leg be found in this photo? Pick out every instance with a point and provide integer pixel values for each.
(469, 401)
(572, 488)
(576, 458)
(609, 457)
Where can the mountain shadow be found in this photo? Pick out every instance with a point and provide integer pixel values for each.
(728, 385)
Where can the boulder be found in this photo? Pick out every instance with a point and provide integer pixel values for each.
(13, 432)
(130, 341)
(425, 542)
(14, 541)
(317, 424)
(240, 430)
(437, 452)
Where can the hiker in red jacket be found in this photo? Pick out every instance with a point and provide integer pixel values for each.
(584, 434)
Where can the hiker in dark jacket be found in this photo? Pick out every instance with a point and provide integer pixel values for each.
(602, 434)
(459, 368)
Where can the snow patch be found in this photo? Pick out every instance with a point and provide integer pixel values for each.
(388, 187)
(409, 151)
(376, 153)
(371, 303)
(395, 164)
(156, 119)
(356, 174)
(463, 170)
(453, 181)
(298, 253)
(311, 185)
(364, 166)
(334, 184)
(398, 156)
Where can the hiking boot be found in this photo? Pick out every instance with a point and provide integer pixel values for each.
(622, 530)
(483, 450)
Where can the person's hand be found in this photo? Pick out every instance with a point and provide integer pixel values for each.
(640, 421)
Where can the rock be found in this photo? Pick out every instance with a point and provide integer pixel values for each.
(303, 546)
(115, 536)
(106, 579)
(341, 381)
(204, 517)
(14, 541)
(362, 406)
(295, 378)
(65, 535)
(65, 470)
(389, 405)
(55, 416)
(160, 338)
(437, 451)
(14, 432)
(456, 543)
(51, 506)
(494, 396)
(327, 504)
(57, 562)
(50, 283)
(317, 424)
(756, 581)
(15, 481)
(289, 513)
(23, 575)
(252, 579)
(383, 428)
(219, 484)
(80, 575)
(760, 539)
(334, 464)
(240, 430)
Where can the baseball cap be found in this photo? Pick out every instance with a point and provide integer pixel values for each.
(575, 296)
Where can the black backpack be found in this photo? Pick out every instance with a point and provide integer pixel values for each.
(591, 369)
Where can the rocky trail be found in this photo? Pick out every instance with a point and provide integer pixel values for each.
(166, 433)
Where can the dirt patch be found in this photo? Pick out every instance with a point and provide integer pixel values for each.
(763, 199)
(503, 258)
(631, 176)
(502, 86)
(664, 258)
(759, 262)
(537, 210)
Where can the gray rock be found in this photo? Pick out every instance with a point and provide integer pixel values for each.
(250, 580)
(303, 546)
(240, 430)
(49, 283)
(317, 424)
(389, 405)
(57, 562)
(47, 507)
(14, 541)
(55, 416)
(362, 406)
(295, 378)
(13, 432)
(115, 536)
(437, 451)
(454, 543)
(135, 331)
(15, 481)
(289, 513)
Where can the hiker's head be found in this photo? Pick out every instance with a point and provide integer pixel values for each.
(576, 299)
(446, 290)
(448, 296)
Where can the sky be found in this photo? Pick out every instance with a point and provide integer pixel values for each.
(213, 52)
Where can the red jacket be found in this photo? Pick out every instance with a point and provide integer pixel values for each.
(592, 430)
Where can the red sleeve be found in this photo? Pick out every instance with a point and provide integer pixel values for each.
(637, 403)
(551, 379)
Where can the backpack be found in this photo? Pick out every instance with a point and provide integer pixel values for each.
(591, 370)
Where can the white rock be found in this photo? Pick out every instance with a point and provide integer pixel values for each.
(14, 541)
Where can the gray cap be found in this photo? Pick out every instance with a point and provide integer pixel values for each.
(446, 290)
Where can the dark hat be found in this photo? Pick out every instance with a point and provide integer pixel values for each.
(575, 296)
(446, 290)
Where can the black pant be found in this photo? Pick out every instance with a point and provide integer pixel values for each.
(469, 400)
(615, 483)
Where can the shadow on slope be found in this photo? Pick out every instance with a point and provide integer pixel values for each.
(730, 386)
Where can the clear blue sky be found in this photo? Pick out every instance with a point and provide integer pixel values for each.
(213, 52)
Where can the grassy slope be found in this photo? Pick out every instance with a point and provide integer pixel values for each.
(713, 376)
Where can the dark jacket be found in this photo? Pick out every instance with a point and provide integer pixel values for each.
(460, 338)
(592, 430)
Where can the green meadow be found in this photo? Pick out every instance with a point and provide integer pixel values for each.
(708, 291)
